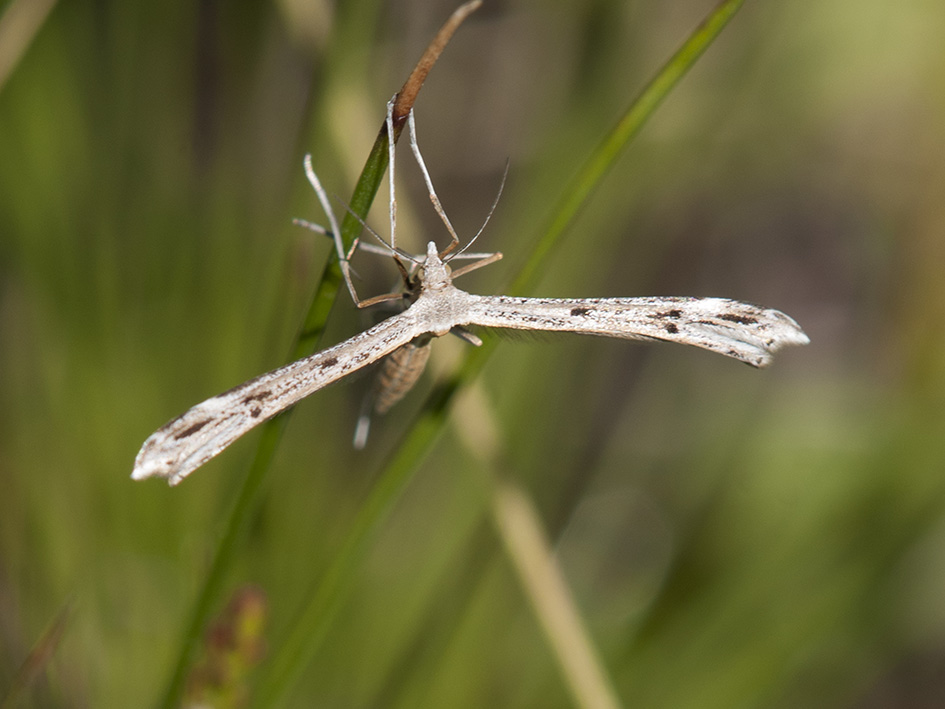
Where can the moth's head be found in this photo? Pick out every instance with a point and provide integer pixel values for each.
(435, 274)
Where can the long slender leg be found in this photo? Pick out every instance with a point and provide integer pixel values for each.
(484, 261)
(454, 239)
(343, 257)
(370, 248)
(390, 172)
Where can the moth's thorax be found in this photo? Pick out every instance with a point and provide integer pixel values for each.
(441, 309)
(435, 274)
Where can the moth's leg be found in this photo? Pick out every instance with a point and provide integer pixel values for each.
(485, 261)
(454, 239)
(368, 302)
(363, 427)
(335, 232)
(465, 335)
(390, 170)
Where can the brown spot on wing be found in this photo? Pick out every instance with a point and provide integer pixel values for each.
(191, 430)
(261, 396)
(671, 328)
(580, 311)
(740, 319)
(330, 362)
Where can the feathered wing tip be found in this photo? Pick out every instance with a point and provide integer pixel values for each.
(740, 330)
(788, 333)
(181, 446)
(758, 349)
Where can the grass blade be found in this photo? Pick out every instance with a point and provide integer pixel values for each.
(312, 623)
(313, 326)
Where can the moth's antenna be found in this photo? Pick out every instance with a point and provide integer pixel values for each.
(385, 247)
(495, 203)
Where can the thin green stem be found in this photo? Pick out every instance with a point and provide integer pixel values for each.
(313, 326)
(630, 123)
(315, 618)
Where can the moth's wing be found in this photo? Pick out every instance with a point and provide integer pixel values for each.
(740, 330)
(184, 444)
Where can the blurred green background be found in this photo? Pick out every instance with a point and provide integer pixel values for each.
(732, 537)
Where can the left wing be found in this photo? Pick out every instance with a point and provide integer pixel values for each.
(181, 446)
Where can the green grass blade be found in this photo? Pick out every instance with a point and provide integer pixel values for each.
(313, 326)
(311, 626)
(313, 623)
(609, 149)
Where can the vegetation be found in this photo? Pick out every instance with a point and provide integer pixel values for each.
(726, 536)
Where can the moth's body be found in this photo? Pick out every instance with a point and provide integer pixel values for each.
(399, 372)
(745, 332)
(436, 307)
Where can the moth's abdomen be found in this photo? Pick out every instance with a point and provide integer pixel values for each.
(399, 372)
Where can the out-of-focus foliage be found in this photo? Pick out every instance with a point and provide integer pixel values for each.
(733, 537)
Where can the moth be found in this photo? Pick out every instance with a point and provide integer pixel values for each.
(436, 307)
